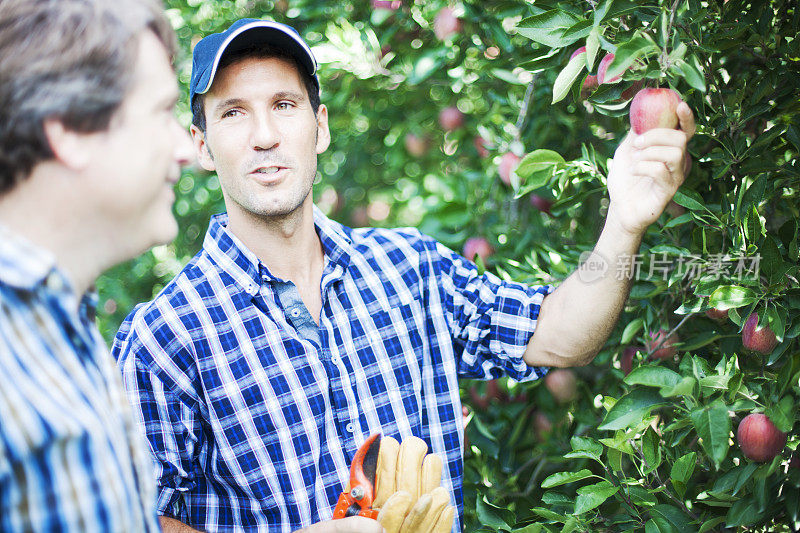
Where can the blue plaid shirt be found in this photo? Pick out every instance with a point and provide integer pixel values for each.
(253, 422)
(72, 458)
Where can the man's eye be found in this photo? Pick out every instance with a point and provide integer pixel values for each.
(230, 113)
(283, 106)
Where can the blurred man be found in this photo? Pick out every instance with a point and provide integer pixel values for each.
(89, 153)
(290, 338)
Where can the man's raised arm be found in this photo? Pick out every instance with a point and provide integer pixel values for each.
(576, 319)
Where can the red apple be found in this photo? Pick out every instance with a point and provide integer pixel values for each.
(759, 439)
(446, 24)
(542, 425)
(508, 164)
(542, 204)
(675, 209)
(478, 246)
(450, 118)
(416, 145)
(761, 340)
(631, 91)
(717, 314)
(481, 145)
(626, 360)
(602, 69)
(663, 345)
(589, 85)
(562, 384)
(654, 108)
(359, 217)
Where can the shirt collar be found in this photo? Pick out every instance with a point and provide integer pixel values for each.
(243, 265)
(22, 264)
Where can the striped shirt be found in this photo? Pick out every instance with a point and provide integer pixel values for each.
(71, 455)
(253, 419)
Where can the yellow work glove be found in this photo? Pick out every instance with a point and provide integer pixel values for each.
(408, 494)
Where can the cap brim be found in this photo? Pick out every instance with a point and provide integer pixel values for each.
(257, 33)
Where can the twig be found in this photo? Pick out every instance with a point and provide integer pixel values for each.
(661, 483)
(523, 111)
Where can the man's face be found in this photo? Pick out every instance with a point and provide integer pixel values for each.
(262, 137)
(138, 158)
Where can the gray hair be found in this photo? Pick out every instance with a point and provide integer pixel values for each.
(70, 60)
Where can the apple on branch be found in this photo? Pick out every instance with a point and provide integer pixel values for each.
(451, 119)
(654, 108)
(761, 340)
(759, 439)
(509, 162)
(626, 360)
(446, 23)
(562, 384)
(662, 345)
(478, 246)
(542, 204)
(416, 145)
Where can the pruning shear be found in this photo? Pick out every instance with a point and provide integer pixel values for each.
(358, 500)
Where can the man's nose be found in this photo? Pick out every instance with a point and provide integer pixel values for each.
(264, 133)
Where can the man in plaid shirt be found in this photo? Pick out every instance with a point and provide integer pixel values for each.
(289, 338)
(89, 153)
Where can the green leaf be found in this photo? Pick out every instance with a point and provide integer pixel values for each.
(690, 200)
(713, 426)
(492, 515)
(629, 52)
(631, 330)
(592, 496)
(631, 409)
(585, 447)
(562, 478)
(731, 297)
(548, 28)
(651, 450)
(592, 46)
(567, 77)
(743, 513)
(693, 73)
(653, 376)
(537, 167)
(683, 468)
(613, 9)
(698, 341)
(642, 496)
(548, 514)
(668, 515)
(708, 525)
(685, 387)
(782, 414)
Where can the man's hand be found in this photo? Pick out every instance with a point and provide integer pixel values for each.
(646, 171)
(354, 524)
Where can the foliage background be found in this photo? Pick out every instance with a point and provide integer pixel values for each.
(673, 465)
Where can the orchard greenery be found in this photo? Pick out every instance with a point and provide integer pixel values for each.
(643, 443)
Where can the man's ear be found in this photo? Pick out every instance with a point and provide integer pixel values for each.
(323, 133)
(201, 149)
(70, 148)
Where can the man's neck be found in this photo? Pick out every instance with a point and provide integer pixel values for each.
(46, 212)
(288, 246)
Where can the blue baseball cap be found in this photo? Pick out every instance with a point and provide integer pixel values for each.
(242, 34)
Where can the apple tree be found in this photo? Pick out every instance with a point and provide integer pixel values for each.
(489, 125)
